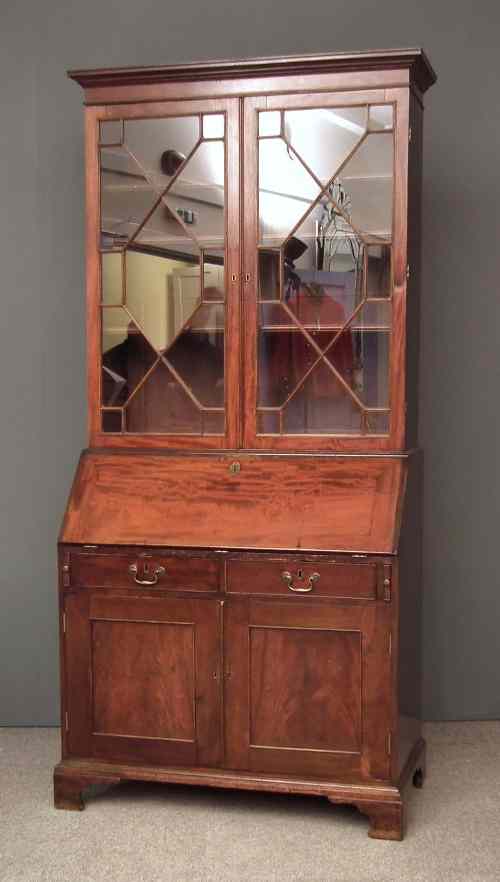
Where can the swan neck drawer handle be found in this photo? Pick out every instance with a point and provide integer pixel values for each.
(157, 572)
(289, 577)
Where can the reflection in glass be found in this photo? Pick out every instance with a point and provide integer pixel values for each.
(111, 420)
(380, 117)
(378, 271)
(324, 137)
(163, 405)
(368, 179)
(268, 423)
(269, 274)
(112, 278)
(286, 191)
(213, 125)
(269, 123)
(111, 132)
(162, 208)
(214, 286)
(126, 356)
(147, 141)
(322, 406)
(197, 195)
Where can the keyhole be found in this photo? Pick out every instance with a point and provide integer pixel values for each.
(300, 574)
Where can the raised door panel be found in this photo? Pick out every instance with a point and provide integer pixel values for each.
(308, 688)
(142, 678)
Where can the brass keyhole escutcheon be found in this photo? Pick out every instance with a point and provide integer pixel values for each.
(235, 468)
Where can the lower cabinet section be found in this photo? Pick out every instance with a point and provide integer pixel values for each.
(262, 690)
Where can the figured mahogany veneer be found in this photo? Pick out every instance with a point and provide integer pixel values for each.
(286, 576)
(164, 571)
(242, 610)
(285, 503)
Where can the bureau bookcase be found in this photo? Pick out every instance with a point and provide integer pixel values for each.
(240, 555)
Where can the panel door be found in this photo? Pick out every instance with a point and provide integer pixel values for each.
(308, 688)
(143, 678)
(164, 273)
(324, 246)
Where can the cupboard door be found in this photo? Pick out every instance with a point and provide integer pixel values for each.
(324, 237)
(143, 678)
(308, 688)
(164, 279)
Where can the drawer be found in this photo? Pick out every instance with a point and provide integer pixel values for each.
(143, 569)
(300, 578)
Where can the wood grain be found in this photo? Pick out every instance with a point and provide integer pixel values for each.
(285, 503)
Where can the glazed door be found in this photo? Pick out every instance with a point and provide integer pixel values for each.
(142, 678)
(308, 688)
(325, 270)
(163, 273)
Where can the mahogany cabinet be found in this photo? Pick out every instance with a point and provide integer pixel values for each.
(239, 558)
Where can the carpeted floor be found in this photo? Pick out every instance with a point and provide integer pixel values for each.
(157, 833)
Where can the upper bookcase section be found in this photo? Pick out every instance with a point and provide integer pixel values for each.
(393, 67)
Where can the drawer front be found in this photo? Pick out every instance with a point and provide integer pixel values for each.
(304, 578)
(144, 570)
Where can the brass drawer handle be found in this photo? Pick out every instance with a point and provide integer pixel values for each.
(288, 578)
(158, 571)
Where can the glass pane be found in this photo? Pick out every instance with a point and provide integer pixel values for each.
(268, 423)
(126, 197)
(162, 405)
(163, 206)
(111, 132)
(213, 422)
(197, 195)
(159, 146)
(213, 125)
(112, 279)
(269, 275)
(377, 423)
(286, 191)
(379, 271)
(214, 286)
(380, 117)
(126, 356)
(135, 174)
(111, 420)
(284, 358)
(198, 356)
(269, 123)
(367, 179)
(162, 293)
(362, 360)
(322, 406)
(324, 137)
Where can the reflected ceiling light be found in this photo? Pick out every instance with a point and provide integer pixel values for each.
(342, 122)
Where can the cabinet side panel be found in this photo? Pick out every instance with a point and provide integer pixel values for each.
(414, 263)
(410, 608)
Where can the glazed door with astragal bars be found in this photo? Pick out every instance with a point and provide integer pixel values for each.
(322, 222)
(167, 289)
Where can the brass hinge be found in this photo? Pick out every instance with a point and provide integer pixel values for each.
(408, 271)
(66, 721)
(409, 135)
(389, 743)
(385, 582)
(64, 622)
(66, 571)
(389, 648)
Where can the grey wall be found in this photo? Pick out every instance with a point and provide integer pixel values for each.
(41, 318)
